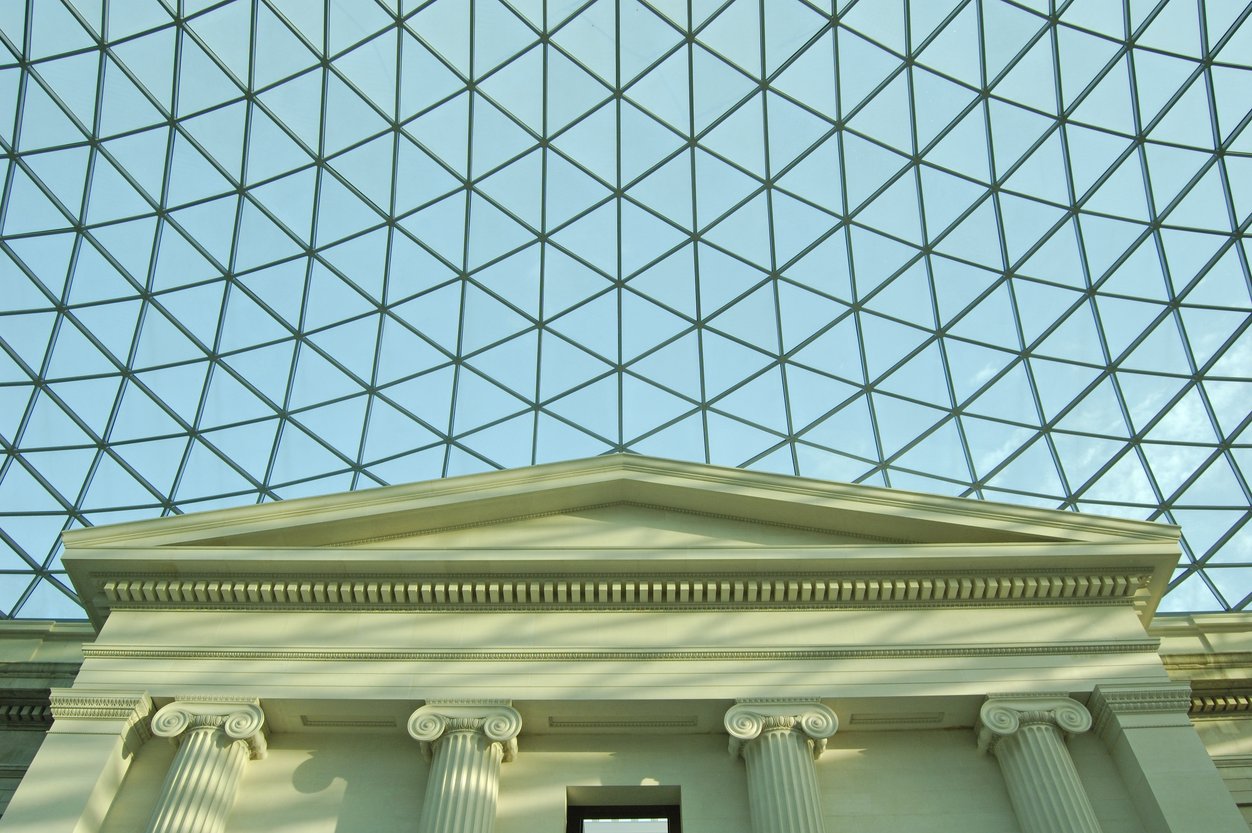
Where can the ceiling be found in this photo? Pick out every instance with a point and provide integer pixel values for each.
(980, 248)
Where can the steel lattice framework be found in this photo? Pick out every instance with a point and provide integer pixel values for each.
(256, 249)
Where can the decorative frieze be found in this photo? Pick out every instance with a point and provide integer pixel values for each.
(216, 739)
(622, 592)
(89, 704)
(1164, 703)
(1026, 734)
(132, 709)
(818, 654)
(779, 742)
(466, 741)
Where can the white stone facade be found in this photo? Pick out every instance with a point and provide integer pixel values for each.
(479, 654)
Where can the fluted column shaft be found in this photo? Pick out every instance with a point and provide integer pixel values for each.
(202, 783)
(779, 743)
(1027, 737)
(467, 743)
(216, 740)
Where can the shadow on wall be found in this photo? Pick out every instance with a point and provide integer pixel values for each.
(362, 782)
(323, 783)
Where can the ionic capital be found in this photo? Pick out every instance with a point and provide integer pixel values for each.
(497, 720)
(238, 719)
(1003, 715)
(749, 719)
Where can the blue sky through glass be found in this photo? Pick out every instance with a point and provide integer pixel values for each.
(259, 249)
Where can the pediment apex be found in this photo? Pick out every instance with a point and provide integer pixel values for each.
(779, 502)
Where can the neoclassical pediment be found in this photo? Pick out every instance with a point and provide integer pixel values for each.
(581, 498)
(569, 533)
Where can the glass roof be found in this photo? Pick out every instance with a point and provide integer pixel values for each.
(258, 249)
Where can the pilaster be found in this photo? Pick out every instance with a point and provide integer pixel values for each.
(1026, 734)
(74, 777)
(779, 742)
(216, 739)
(466, 743)
(1162, 760)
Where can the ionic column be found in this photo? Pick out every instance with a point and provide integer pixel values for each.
(1026, 733)
(467, 742)
(216, 738)
(779, 742)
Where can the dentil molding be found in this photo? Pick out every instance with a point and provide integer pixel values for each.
(712, 591)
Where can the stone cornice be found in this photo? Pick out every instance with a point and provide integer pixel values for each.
(497, 720)
(802, 653)
(54, 671)
(91, 704)
(1150, 704)
(1140, 698)
(748, 719)
(25, 708)
(617, 477)
(1004, 714)
(1184, 663)
(238, 719)
(663, 591)
(1232, 761)
(86, 704)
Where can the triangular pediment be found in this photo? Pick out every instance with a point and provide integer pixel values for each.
(613, 526)
(620, 530)
(620, 501)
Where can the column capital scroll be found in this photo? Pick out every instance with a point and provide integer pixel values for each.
(238, 719)
(748, 719)
(496, 719)
(1004, 714)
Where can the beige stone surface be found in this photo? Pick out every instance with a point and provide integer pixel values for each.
(623, 605)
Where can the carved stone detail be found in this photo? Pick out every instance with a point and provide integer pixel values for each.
(780, 741)
(216, 739)
(132, 708)
(610, 591)
(747, 719)
(467, 742)
(1026, 734)
(1003, 715)
(497, 720)
(1154, 704)
(86, 704)
(238, 719)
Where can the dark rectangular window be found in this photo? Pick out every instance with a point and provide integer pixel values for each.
(629, 818)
